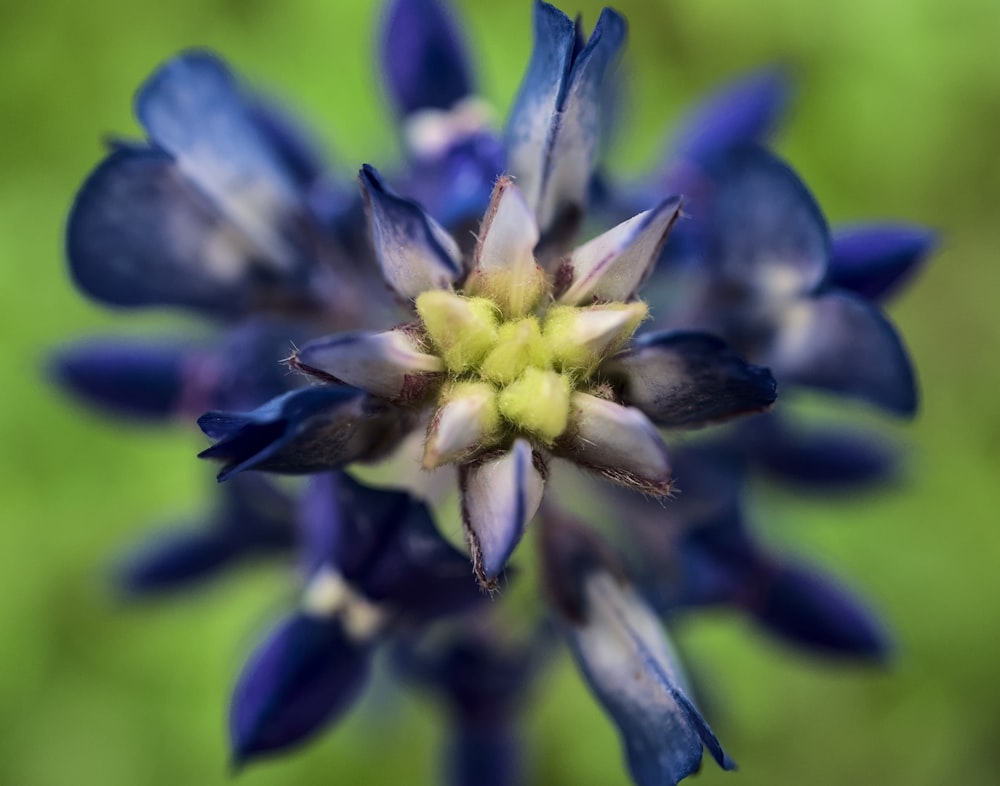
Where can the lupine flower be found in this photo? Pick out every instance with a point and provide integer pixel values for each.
(507, 352)
(373, 564)
(515, 367)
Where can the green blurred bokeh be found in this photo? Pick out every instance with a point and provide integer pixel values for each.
(896, 117)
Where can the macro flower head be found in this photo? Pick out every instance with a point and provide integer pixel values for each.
(495, 308)
(514, 366)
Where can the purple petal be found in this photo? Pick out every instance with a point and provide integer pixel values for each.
(839, 343)
(684, 379)
(744, 111)
(809, 610)
(193, 108)
(304, 675)
(309, 430)
(141, 234)
(132, 378)
(499, 498)
(875, 261)
(415, 253)
(423, 56)
(766, 231)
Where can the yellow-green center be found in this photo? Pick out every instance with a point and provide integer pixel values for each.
(534, 362)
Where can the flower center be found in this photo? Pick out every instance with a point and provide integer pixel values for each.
(521, 368)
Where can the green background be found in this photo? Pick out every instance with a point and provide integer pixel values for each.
(896, 117)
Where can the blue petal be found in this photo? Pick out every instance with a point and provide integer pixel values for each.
(414, 251)
(345, 523)
(385, 543)
(423, 56)
(141, 234)
(258, 514)
(254, 518)
(455, 186)
(175, 560)
(245, 367)
(288, 141)
(684, 379)
(766, 233)
(744, 111)
(132, 378)
(309, 430)
(554, 127)
(193, 108)
(818, 458)
(484, 755)
(876, 260)
(629, 664)
(419, 572)
(305, 674)
(839, 343)
(811, 611)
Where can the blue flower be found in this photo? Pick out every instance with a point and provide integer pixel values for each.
(373, 564)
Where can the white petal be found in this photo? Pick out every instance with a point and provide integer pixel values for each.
(619, 442)
(629, 662)
(469, 415)
(499, 497)
(612, 266)
(384, 364)
(509, 232)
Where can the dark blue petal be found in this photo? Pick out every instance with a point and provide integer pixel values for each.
(684, 379)
(765, 231)
(133, 378)
(420, 573)
(414, 251)
(876, 260)
(554, 127)
(346, 524)
(423, 56)
(193, 108)
(744, 111)
(484, 756)
(176, 560)
(258, 514)
(385, 543)
(140, 234)
(305, 674)
(839, 343)
(309, 430)
(817, 458)
(245, 368)
(809, 610)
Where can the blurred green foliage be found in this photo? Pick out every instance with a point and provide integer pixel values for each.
(896, 117)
